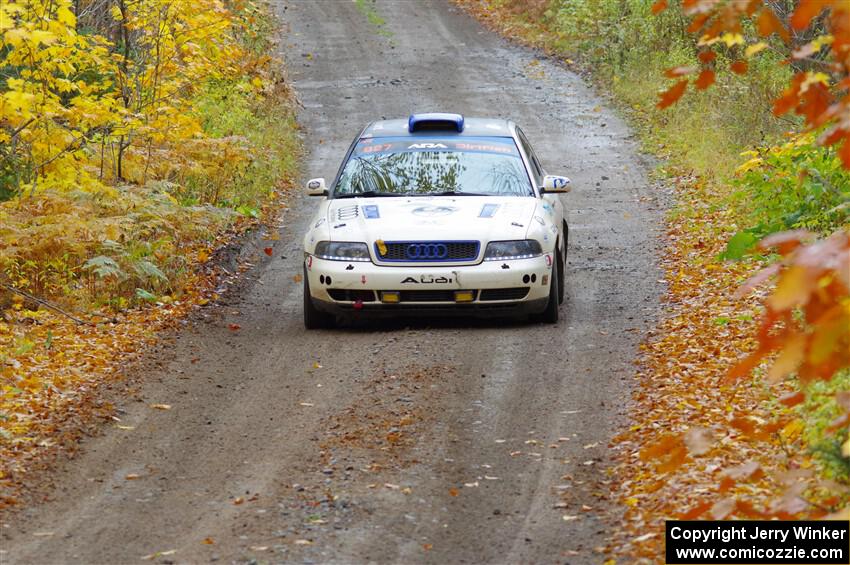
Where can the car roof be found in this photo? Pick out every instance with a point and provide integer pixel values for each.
(472, 127)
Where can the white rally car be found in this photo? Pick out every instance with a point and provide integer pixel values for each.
(436, 214)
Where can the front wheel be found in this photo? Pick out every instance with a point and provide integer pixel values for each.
(314, 319)
(550, 314)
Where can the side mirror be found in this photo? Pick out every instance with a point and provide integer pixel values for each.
(316, 187)
(552, 183)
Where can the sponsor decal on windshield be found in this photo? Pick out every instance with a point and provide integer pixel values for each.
(497, 145)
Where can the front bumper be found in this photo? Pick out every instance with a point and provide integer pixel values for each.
(498, 287)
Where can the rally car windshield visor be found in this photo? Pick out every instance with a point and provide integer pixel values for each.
(427, 166)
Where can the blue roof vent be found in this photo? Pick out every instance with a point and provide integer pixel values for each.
(435, 122)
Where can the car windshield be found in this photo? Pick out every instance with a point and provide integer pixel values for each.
(407, 166)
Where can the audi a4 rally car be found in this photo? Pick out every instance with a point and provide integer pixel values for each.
(436, 214)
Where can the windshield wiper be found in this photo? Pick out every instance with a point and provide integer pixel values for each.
(367, 194)
(454, 193)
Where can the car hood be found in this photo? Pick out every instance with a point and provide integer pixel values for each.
(481, 218)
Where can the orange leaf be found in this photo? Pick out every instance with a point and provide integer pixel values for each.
(677, 458)
(793, 289)
(785, 241)
(726, 484)
(745, 366)
(792, 398)
(705, 79)
(739, 67)
(672, 95)
(698, 22)
(696, 511)
(659, 6)
(746, 509)
(745, 425)
(296, 278)
(453, 491)
(789, 358)
(806, 11)
(234, 327)
(768, 23)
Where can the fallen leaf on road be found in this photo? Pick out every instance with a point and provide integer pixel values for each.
(303, 542)
(259, 548)
(208, 541)
(268, 251)
(308, 404)
(234, 327)
(120, 427)
(238, 500)
(586, 508)
(568, 518)
(296, 278)
(591, 445)
(159, 554)
(161, 406)
(644, 537)
(43, 534)
(132, 476)
(489, 478)
(317, 365)
(454, 492)
(471, 485)
(427, 546)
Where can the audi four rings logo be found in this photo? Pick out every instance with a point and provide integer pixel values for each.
(426, 251)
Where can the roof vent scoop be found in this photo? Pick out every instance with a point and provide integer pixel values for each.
(435, 122)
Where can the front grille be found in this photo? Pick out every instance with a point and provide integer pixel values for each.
(504, 293)
(429, 251)
(345, 295)
(427, 296)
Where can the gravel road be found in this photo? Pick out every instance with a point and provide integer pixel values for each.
(415, 441)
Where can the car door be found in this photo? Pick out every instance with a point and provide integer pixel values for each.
(538, 172)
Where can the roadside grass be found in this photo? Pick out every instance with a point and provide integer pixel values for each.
(368, 9)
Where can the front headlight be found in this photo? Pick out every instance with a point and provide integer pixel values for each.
(518, 249)
(342, 251)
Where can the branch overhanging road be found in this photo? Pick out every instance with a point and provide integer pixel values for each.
(398, 443)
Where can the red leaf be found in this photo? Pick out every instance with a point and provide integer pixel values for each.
(705, 79)
(707, 56)
(739, 67)
(672, 95)
(234, 327)
(268, 251)
(806, 11)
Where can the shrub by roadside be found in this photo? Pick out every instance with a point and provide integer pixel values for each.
(127, 158)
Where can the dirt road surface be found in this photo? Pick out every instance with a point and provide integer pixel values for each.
(422, 441)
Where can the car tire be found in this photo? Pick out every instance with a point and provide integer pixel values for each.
(550, 314)
(314, 319)
(561, 275)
